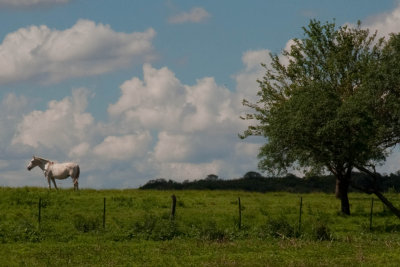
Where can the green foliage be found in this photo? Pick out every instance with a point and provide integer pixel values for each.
(332, 104)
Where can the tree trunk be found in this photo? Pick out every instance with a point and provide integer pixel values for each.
(342, 189)
(388, 203)
(375, 176)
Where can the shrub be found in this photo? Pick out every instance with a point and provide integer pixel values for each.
(321, 231)
(277, 227)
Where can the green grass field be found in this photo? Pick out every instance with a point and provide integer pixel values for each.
(205, 231)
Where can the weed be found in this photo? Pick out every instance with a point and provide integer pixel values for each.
(86, 223)
(209, 231)
(321, 231)
(156, 228)
(123, 201)
(277, 227)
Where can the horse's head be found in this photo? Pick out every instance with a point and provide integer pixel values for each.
(32, 164)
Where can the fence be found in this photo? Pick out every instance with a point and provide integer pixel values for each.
(36, 214)
(239, 216)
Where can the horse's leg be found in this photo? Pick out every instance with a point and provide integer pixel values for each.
(48, 180)
(54, 182)
(75, 176)
(76, 187)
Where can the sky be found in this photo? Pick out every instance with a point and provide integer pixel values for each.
(139, 90)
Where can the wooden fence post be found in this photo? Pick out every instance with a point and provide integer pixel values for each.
(301, 208)
(40, 210)
(240, 214)
(173, 207)
(104, 214)
(370, 215)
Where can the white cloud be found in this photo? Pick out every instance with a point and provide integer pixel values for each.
(246, 80)
(172, 148)
(62, 125)
(212, 107)
(247, 149)
(385, 23)
(79, 150)
(162, 102)
(12, 105)
(155, 103)
(12, 108)
(30, 3)
(47, 55)
(197, 125)
(158, 127)
(195, 15)
(123, 147)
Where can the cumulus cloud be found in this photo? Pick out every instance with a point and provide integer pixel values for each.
(12, 106)
(48, 55)
(157, 102)
(162, 102)
(79, 150)
(172, 148)
(196, 125)
(212, 107)
(30, 3)
(159, 127)
(123, 147)
(62, 125)
(12, 109)
(246, 80)
(195, 15)
(385, 23)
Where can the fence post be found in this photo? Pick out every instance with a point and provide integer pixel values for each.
(173, 207)
(370, 215)
(40, 211)
(240, 214)
(301, 208)
(104, 214)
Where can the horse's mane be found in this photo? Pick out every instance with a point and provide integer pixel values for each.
(41, 159)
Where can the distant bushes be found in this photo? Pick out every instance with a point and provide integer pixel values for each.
(255, 182)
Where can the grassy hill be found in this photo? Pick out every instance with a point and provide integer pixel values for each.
(139, 230)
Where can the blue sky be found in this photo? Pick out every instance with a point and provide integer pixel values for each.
(137, 90)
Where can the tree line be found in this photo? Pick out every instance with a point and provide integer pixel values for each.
(255, 182)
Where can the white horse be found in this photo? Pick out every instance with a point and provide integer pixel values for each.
(53, 170)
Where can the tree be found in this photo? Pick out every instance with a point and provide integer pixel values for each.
(382, 97)
(326, 109)
(252, 174)
(211, 177)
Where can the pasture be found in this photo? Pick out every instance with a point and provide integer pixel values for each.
(138, 229)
